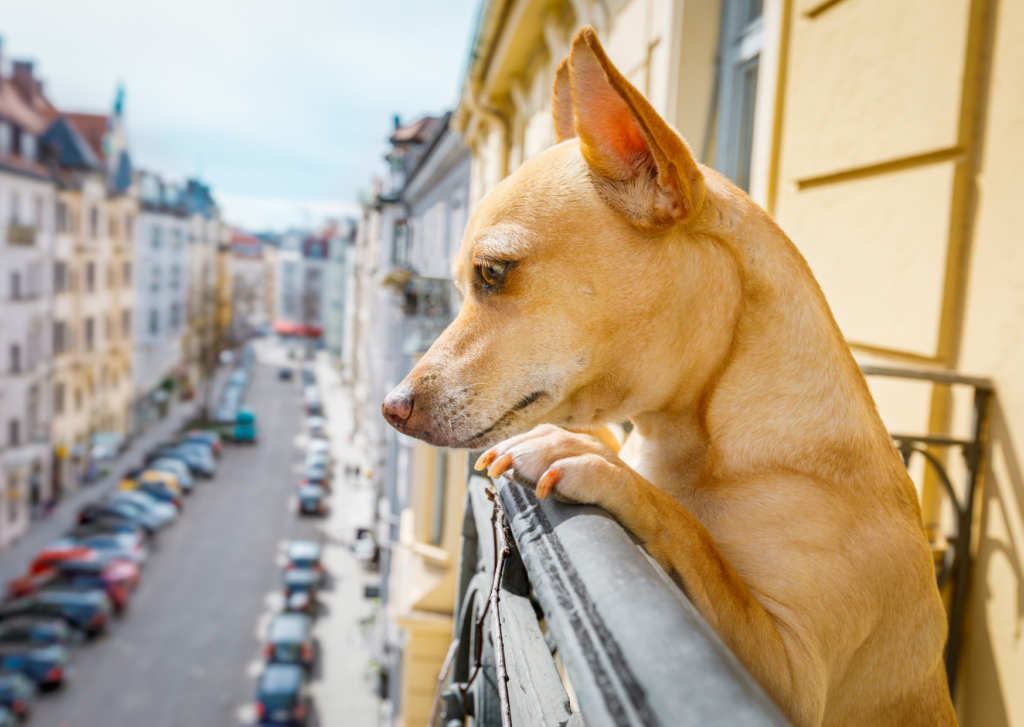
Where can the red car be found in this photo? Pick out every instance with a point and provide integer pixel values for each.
(115, 576)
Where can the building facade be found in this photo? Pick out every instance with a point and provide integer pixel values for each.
(27, 201)
(161, 297)
(93, 292)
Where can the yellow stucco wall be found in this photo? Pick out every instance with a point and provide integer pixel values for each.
(993, 344)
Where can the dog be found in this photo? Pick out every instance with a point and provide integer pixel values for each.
(612, 277)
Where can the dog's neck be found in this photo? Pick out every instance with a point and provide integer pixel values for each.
(785, 392)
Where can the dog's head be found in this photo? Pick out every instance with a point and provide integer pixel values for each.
(572, 270)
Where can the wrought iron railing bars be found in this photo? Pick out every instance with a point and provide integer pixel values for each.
(972, 450)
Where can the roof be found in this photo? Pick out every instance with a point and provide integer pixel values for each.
(418, 132)
(92, 127)
(303, 550)
(288, 627)
(70, 147)
(280, 678)
(32, 114)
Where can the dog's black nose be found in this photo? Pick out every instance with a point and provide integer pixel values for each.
(397, 406)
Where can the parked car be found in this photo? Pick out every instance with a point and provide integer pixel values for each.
(305, 554)
(312, 500)
(282, 696)
(245, 426)
(316, 426)
(284, 373)
(177, 467)
(113, 576)
(42, 630)
(87, 609)
(205, 436)
(128, 545)
(7, 718)
(44, 664)
(129, 513)
(308, 374)
(319, 447)
(290, 640)
(300, 590)
(199, 459)
(161, 485)
(17, 694)
(164, 512)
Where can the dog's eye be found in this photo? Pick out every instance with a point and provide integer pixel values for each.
(492, 273)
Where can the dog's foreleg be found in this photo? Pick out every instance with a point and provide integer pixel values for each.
(578, 468)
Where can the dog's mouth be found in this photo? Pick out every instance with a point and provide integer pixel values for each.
(481, 438)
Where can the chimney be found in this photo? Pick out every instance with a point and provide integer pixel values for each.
(23, 80)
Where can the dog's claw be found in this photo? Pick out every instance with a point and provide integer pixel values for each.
(499, 466)
(485, 459)
(547, 483)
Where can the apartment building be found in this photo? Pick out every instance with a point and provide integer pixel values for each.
(93, 293)
(27, 197)
(160, 240)
(202, 336)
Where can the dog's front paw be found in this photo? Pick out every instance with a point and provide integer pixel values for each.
(575, 468)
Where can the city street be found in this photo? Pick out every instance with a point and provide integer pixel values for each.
(187, 652)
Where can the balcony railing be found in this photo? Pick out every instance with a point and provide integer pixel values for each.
(578, 592)
(21, 234)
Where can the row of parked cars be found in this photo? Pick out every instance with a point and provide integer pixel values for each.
(77, 585)
(289, 653)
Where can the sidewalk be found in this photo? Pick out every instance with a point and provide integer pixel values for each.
(15, 560)
(346, 695)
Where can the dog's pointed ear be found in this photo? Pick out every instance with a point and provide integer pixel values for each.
(561, 103)
(622, 137)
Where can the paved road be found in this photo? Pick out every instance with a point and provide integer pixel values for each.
(186, 653)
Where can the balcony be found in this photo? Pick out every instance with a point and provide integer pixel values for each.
(638, 655)
(21, 234)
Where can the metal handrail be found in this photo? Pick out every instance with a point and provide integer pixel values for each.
(635, 650)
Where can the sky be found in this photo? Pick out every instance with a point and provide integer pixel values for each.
(283, 106)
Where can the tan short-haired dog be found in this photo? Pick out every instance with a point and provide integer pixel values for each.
(614, 277)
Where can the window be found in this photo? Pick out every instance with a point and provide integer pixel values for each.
(94, 222)
(741, 44)
(108, 323)
(156, 237)
(129, 226)
(63, 218)
(175, 276)
(15, 353)
(126, 322)
(58, 399)
(175, 315)
(111, 276)
(113, 226)
(400, 251)
(78, 399)
(154, 322)
(28, 146)
(126, 273)
(90, 277)
(60, 277)
(15, 286)
(39, 212)
(60, 337)
(5, 138)
(15, 216)
(90, 326)
(154, 283)
(13, 432)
